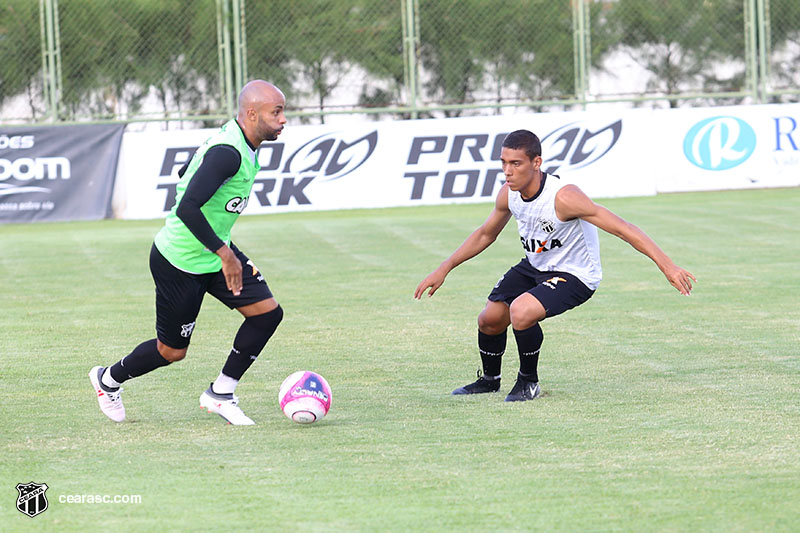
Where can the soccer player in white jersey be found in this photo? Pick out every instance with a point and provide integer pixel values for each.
(557, 224)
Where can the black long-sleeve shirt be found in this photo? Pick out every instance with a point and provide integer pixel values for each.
(220, 163)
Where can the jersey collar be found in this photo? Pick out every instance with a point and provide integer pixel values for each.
(253, 148)
(539, 192)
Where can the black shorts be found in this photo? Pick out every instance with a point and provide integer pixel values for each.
(557, 291)
(180, 294)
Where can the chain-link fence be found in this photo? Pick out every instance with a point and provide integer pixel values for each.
(679, 48)
(80, 60)
(781, 53)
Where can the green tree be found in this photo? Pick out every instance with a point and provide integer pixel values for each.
(784, 46)
(269, 30)
(683, 43)
(378, 49)
(176, 55)
(474, 50)
(451, 66)
(529, 45)
(114, 53)
(20, 53)
(98, 57)
(303, 46)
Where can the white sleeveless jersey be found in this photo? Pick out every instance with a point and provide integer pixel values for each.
(551, 244)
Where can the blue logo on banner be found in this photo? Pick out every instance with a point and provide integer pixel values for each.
(719, 143)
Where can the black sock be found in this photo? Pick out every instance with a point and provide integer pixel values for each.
(251, 338)
(143, 359)
(529, 341)
(492, 348)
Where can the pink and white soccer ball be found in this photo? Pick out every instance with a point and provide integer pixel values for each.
(305, 397)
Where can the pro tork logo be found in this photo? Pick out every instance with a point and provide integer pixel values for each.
(719, 143)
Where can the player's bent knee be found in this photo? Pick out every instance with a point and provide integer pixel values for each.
(491, 327)
(267, 322)
(493, 321)
(255, 332)
(259, 308)
(171, 354)
(525, 314)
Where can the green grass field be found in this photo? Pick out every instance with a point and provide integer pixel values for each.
(661, 412)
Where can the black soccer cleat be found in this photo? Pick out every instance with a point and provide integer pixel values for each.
(524, 390)
(480, 386)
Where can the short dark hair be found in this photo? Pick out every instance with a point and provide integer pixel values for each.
(524, 140)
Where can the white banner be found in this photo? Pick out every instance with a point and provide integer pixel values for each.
(733, 147)
(426, 162)
(383, 164)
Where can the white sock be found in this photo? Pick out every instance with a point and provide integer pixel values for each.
(108, 381)
(224, 384)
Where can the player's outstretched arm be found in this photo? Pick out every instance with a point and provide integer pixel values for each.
(571, 203)
(478, 241)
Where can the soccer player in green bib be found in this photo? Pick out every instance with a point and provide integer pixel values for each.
(193, 255)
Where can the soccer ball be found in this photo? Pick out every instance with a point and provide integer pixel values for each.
(305, 397)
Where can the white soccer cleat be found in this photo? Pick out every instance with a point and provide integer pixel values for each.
(110, 402)
(227, 408)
